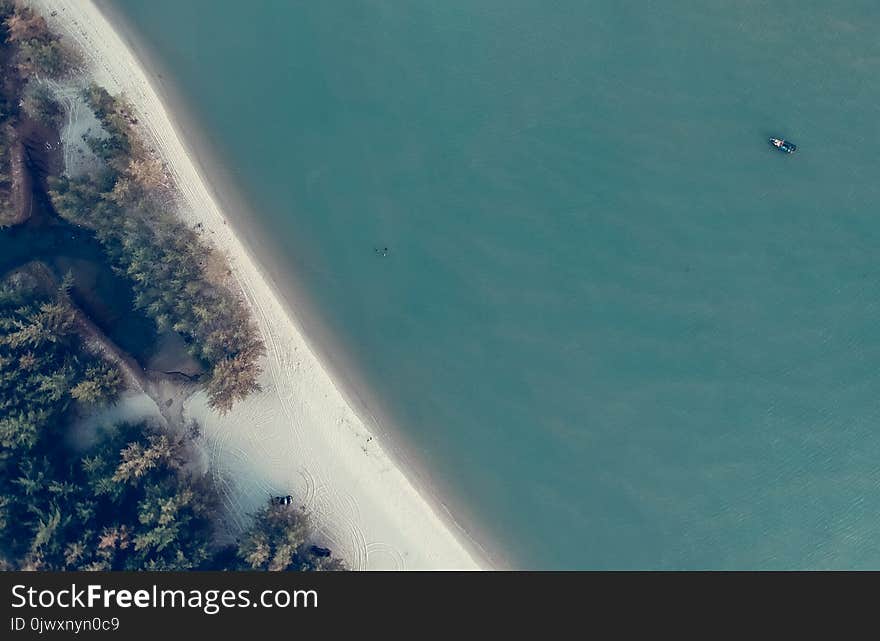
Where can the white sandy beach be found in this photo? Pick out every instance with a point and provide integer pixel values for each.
(299, 435)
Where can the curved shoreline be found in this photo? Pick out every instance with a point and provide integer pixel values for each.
(376, 515)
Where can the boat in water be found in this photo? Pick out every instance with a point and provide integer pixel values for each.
(783, 145)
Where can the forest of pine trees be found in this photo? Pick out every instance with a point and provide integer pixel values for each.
(130, 499)
(163, 258)
(36, 49)
(42, 368)
(6, 124)
(30, 50)
(126, 503)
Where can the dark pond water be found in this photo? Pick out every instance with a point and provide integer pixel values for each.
(105, 296)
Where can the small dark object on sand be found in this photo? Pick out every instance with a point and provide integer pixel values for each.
(283, 500)
(324, 552)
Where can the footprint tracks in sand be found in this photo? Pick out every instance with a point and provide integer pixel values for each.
(381, 556)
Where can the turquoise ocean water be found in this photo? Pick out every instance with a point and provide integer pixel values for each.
(614, 329)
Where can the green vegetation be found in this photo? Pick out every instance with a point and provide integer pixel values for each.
(39, 103)
(43, 369)
(37, 50)
(129, 502)
(6, 125)
(124, 505)
(276, 541)
(6, 209)
(29, 53)
(133, 500)
(162, 257)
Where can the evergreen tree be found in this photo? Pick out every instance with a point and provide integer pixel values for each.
(277, 541)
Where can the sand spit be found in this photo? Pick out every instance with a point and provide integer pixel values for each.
(299, 435)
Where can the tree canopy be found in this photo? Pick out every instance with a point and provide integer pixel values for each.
(161, 256)
(37, 49)
(43, 368)
(133, 500)
(130, 502)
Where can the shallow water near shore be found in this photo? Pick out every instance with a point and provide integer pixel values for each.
(614, 327)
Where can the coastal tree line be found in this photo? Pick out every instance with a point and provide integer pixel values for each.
(42, 369)
(167, 264)
(35, 49)
(30, 54)
(132, 498)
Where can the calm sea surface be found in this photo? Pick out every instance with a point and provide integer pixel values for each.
(617, 330)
